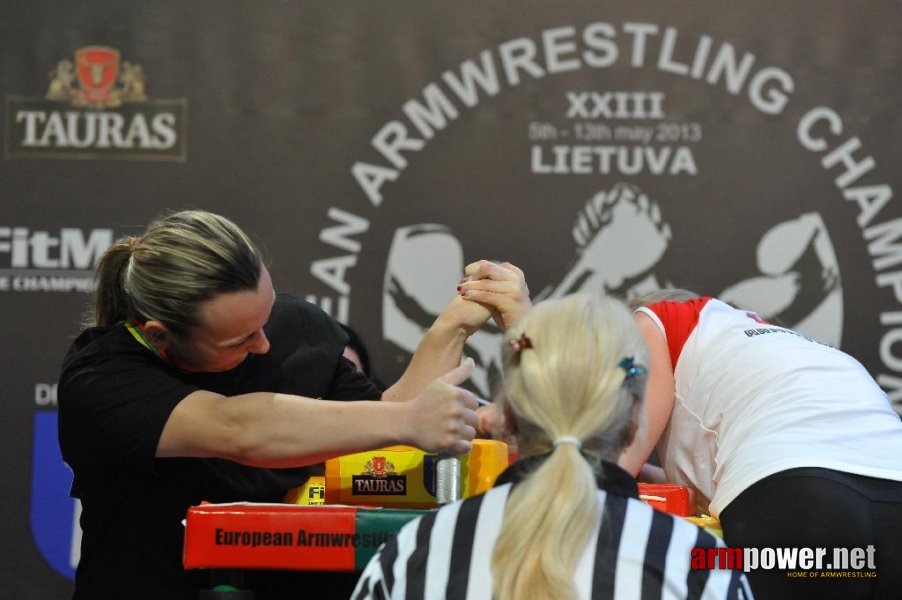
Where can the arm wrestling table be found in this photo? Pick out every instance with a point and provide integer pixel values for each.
(231, 538)
(339, 539)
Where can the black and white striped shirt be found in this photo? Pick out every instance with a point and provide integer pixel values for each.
(635, 552)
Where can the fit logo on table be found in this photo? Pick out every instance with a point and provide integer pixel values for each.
(95, 107)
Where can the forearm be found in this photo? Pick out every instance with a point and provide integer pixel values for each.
(439, 351)
(280, 430)
(633, 458)
(658, 400)
(292, 431)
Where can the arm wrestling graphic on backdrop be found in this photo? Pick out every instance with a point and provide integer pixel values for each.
(797, 283)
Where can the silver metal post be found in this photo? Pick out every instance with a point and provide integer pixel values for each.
(447, 478)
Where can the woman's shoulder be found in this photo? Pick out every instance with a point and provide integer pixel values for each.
(101, 345)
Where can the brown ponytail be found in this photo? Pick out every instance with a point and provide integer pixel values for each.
(111, 305)
(182, 260)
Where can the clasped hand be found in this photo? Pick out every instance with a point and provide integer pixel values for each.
(500, 288)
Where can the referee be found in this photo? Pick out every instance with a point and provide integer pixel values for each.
(564, 521)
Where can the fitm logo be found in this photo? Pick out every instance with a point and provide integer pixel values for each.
(33, 260)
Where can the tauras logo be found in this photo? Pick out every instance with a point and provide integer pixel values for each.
(48, 261)
(101, 130)
(379, 478)
(389, 485)
(96, 107)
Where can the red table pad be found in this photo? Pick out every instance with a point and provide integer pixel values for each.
(286, 536)
(668, 497)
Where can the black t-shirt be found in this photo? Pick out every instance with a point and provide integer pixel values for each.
(114, 399)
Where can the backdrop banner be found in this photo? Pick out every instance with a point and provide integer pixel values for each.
(374, 149)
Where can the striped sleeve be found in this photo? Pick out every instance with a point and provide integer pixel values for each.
(631, 560)
(639, 553)
(436, 575)
(371, 585)
(660, 535)
(643, 553)
(697, 580)
(385, 576)
(488, 526)
(446, 554)
(414, 570)
(704, 584)
(462, 544)
(609, 533)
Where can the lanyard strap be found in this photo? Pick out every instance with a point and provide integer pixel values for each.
(136, 329)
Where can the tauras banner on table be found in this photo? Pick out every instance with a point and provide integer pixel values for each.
(375, 149)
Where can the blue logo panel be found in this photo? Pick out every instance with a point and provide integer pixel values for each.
(52, 510)
(429, 473)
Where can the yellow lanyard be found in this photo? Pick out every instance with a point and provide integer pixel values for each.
(138, 334)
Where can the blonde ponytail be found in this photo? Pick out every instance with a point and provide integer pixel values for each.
(547, 522)
(565, 384)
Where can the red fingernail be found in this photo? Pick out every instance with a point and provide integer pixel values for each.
(464, 294)
(458, 288)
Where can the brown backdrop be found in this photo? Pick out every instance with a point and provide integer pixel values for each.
(748, 150)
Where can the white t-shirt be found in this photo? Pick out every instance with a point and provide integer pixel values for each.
(753, 399)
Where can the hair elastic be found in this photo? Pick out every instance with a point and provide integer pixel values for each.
(630, 368)
(569, 440)
(520, 344)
